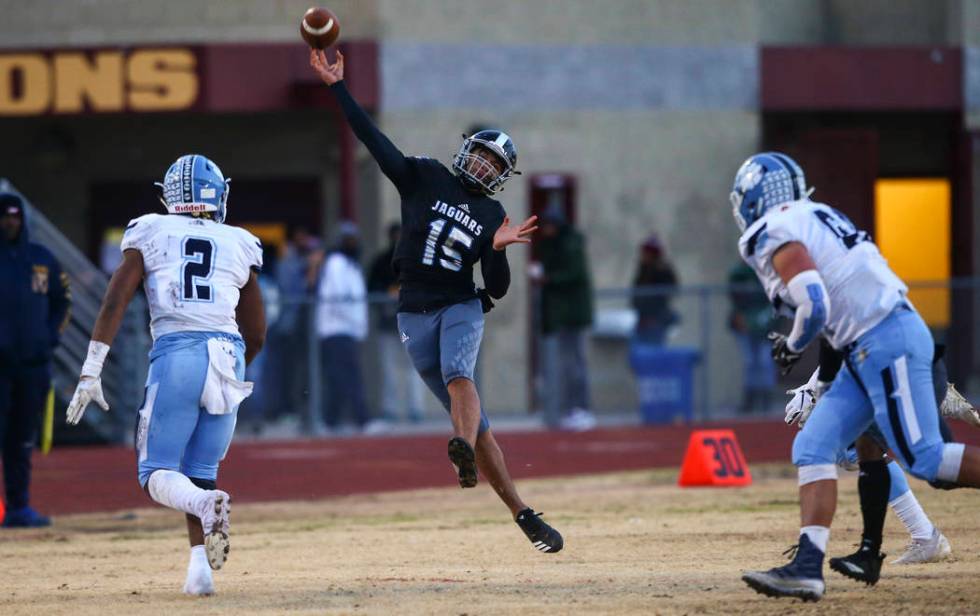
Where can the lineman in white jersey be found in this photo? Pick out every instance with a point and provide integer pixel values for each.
(207, 323)
(813, 262)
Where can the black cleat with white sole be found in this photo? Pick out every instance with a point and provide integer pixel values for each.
(464, 461)
(802, 578)
(863, 565)
(543, 537)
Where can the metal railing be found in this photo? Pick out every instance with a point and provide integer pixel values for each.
(703, 327)
(290, 380)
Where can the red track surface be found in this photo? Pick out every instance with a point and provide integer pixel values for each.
(75, 480)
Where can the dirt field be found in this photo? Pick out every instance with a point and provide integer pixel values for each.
(634, 544)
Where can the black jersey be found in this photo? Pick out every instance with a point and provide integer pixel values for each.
(446, 228)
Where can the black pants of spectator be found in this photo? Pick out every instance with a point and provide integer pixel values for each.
(23, 393)
(344, 379)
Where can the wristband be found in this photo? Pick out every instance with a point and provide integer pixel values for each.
(97, 352)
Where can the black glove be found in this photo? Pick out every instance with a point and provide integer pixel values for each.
(781, 354)
(485, 300)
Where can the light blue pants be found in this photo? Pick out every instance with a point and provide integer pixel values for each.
(174, 432)
(887, 379)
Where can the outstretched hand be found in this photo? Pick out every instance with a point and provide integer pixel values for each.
(507, 235)
(329, 73)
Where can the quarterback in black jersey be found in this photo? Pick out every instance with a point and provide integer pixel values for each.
(450, 222)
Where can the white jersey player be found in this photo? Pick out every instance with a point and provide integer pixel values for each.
(816, 264)
(860, 286)
(207, 323)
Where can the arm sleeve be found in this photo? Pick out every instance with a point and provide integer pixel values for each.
(830, 362)
(392, 162)
(808, 292)
(496, 272)
(59, 298)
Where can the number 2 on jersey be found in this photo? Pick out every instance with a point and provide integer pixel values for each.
(198, 255)
(453, 260)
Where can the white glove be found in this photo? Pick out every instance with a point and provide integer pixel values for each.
(89, 387)
(800, 406)
(804, 399)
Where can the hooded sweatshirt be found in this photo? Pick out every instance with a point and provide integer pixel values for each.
(34, 302)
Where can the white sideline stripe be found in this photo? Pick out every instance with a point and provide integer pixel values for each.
(318, 31)
(904, 394)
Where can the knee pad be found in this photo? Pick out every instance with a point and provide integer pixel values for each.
(940, 461)
(817, 472)
(808, 451)
(204, 484)
(949, 464)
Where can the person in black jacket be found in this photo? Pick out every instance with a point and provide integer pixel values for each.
(34, 305)
(449, 222)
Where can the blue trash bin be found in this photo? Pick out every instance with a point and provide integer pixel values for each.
(665, 381)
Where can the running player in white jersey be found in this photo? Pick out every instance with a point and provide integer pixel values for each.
(207, 322)
(814, 263)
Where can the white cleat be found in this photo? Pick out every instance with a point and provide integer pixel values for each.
(929, 550)
(957, 407)
(216, 526)
(199, 582)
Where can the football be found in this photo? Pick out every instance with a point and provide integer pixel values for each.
(319, 27)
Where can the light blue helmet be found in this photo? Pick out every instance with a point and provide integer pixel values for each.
(764, 181)
(194, 184)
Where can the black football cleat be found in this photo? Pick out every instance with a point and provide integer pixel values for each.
(863, 565)
(542, 536)
(802, 578)
(464, 461)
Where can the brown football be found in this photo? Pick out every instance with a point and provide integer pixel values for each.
(319, 27)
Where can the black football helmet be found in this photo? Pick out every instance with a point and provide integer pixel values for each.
(477, 172)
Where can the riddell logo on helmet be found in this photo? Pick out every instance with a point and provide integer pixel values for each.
(187, 208)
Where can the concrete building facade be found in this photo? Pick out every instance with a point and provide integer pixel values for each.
(650, 104)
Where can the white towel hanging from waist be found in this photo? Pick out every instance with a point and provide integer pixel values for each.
(223, 392)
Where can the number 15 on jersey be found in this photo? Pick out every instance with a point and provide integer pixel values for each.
(449, 257)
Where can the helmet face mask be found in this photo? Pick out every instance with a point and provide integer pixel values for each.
(195, 185)
(486, 160)
(763, 182)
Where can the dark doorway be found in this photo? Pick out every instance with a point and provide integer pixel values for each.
(260, 203)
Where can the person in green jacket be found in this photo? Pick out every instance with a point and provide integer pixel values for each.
(750, 321)
(565, 317)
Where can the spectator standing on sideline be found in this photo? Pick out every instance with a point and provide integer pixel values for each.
(566, 315)
(750, 320)
(342, 324)
(259, 407)
(34, 308)
(289, 337)
(393, 359)
(654, 313)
